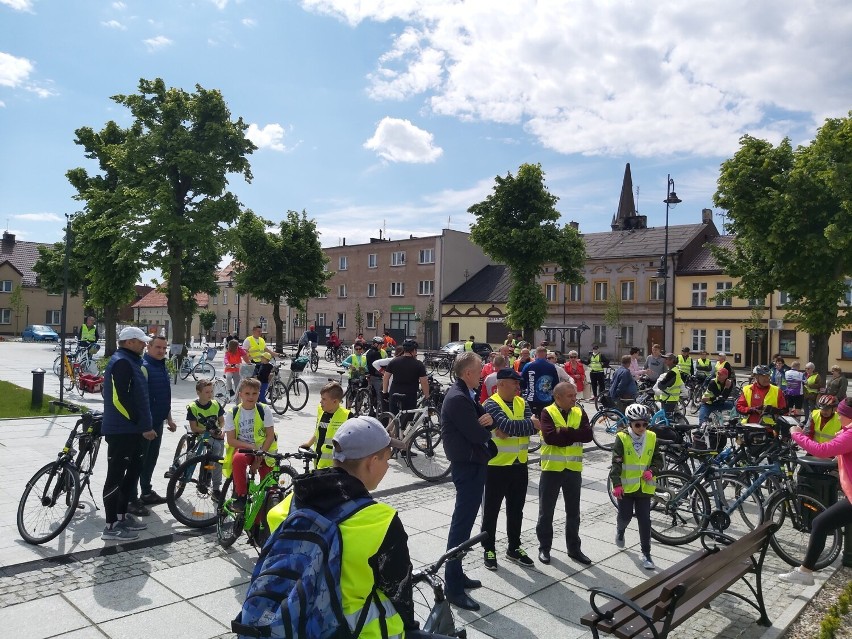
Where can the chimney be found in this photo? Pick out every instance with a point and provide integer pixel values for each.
(574, 225)
(706, 216)
(344, 241)
(8, 239)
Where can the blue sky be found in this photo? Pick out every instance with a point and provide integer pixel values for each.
(399, 113)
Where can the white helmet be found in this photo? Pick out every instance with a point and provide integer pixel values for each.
(637, 413)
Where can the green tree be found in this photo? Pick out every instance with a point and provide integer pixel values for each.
(16, 302)
(614, 311)
(359, 319)
(207, 319)
(178, 154)
(518, 225)
(51, 273)
(287, 263)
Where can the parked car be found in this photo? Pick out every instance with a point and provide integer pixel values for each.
(39, 333)
(480, 348)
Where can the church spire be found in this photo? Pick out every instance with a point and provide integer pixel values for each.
(626, 204)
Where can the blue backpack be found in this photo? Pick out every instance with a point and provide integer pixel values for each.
(295, 588)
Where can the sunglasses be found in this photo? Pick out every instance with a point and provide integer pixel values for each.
(639, 424)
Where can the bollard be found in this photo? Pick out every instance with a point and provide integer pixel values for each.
(38, 387)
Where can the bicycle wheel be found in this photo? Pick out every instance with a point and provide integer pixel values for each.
(220, 392)
(794, 514)
(86, 458)
(314, 361)
(229, 525)
(277, 396)
(443, 367)
(48, 503)
(297, 394)
(57, 365)
(535, 442)
(679, 511)
(189, 493)
(329, 354)
(723, 494)
(609, 488)
(363, 404)
(425, 454)
(605, 426)
(204, 370)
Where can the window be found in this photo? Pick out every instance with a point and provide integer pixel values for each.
(656, 289)
(626, 336)
(236, 325)
(5, 315)
(845, 344)
(783, 298)
(601, 292)
(426, 287)
(343, 263)
(341, 320)
(723, 340)
(341, 290)
(397, 289)
(628, 291)
(721, 287)
(224, 325)
(575, 293)
(572, 336)
(753, 301)
(371, 319)
(550, 293)
(600, 334)
(264, 324)
(398, 258)
(5, 286)
(699, 339)
(321, 319)
(848, 295)
(787, 343)
(699, 294)
(215, 299)
(224, 297)
(371, 289)
(372, 261)
(323, 295)
(427, 256)
(53, 317)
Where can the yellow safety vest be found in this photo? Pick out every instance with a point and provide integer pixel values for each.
(684, 364)
(256, 347)
(704, 365)
(720, 365)
(361, 535)
(824, 433)
(811, 387)
(558, 458)
(200, 413)
(358, 366)
(595, 363)
(326, 450)
(88, 334)
(468, 346)
(672, 393)
(771, 399)
(634, 465)
(259, 438)
(511, 449)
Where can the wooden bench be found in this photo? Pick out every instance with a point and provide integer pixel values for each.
(662, 603)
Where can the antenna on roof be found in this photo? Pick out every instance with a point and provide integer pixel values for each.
(637, 198)
(448, 222)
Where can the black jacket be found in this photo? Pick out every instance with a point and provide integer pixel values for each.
(464, 439)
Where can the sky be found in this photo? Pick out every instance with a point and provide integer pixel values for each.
(398, 114)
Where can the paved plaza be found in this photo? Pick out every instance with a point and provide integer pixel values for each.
(177, 582)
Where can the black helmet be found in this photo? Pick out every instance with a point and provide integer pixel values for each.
(410, 345)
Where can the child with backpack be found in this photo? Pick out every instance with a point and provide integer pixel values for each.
(205, 415)
(331, 521)
(330, 415)
(248, 426)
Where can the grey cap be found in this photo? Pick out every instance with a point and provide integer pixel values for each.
(361, 437)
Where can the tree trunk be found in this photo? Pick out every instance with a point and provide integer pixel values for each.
(279, 326)
(110, 337)
(820, 353)
(175, 299)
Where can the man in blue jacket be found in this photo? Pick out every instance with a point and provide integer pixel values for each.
(537, 381)
(127, 429)
(465, 431)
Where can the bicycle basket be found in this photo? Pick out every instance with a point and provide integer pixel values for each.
(94, 348)
(211, 353)
(298, 364)
(91, 383)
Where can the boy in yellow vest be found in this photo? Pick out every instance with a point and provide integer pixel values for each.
(636, 460)
(206, 416)
(564, 429)
(507, 474)
(330, 415)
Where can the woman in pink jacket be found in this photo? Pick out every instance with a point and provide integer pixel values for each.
(841, 513)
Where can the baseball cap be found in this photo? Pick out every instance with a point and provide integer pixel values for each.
(508, 373)
(722, 353)
(132, 332)
(361, 437)
(669, 356)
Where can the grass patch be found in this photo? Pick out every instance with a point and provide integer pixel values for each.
(16, 403)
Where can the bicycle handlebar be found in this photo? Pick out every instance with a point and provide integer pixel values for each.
(302, 453)
(422, 574)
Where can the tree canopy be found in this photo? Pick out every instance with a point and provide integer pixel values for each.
(518, 225)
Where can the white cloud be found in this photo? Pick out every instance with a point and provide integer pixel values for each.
(220, 4)
(156, 43)
(113, 24)
(249, 22)
(662, 78)
(18, 5)
(400, 141)
(39, 217)
(270, 136)
(14, 71)
(120, 6)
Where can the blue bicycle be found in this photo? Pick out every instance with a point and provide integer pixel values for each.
(607, 422)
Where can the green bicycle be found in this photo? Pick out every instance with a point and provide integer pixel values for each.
(262, 496)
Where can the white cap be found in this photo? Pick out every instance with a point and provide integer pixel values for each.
(132, 332)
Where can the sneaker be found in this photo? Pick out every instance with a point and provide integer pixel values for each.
(491, 560)
(136, 507)
(118, 533)
(152, 499)
(519, 556)
(796, 576)
(239, 505)
(619, 538)
(131, 523)
(647, 563)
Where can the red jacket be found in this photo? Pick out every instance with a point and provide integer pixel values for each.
(757, 395)
(577, 373)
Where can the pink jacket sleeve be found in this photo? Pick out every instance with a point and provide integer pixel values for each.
(840, 445)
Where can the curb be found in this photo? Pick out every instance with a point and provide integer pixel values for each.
(779, 626)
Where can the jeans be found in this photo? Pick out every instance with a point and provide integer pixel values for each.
(232, 380)
(832, 518)
(125, 454)
(641, 505)
(152, 452)
(549, 485)
(469, 480)
(705, 410)
(509, 482)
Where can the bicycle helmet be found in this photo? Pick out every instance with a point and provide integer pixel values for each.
(410, 345)
(761, 369)
(827, 401)
(637, 413)
(378, 340)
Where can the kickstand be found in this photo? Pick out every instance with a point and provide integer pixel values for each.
(94, 503)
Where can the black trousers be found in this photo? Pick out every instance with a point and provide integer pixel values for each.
(549, 485)
(152, 453)
(832, 518)
(125, 455)
(469, 480)
(509, 483)
(598, 380)
(639, 503)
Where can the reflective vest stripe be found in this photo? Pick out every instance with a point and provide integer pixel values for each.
(511, 449)
(559, 458)
(259, 437)
(672, 393)
(256, 347)
(636, 464)
(326, 451)
(771, 399)
(825, 432)
(684, 364)
(595, 364)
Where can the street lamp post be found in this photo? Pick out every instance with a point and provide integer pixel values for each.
(231, 285)
(663, 272)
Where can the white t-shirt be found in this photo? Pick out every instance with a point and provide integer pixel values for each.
(246, 433)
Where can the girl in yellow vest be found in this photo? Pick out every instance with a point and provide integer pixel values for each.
(824, 423)
(635, 462)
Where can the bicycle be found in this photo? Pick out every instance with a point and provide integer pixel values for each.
(194, 465)
(314, 359)
(202, 369)
(607, 422)
(424, 453)
(82, 358)
(261, 497)
(52, 495)
(440, 619)
(291, 393)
